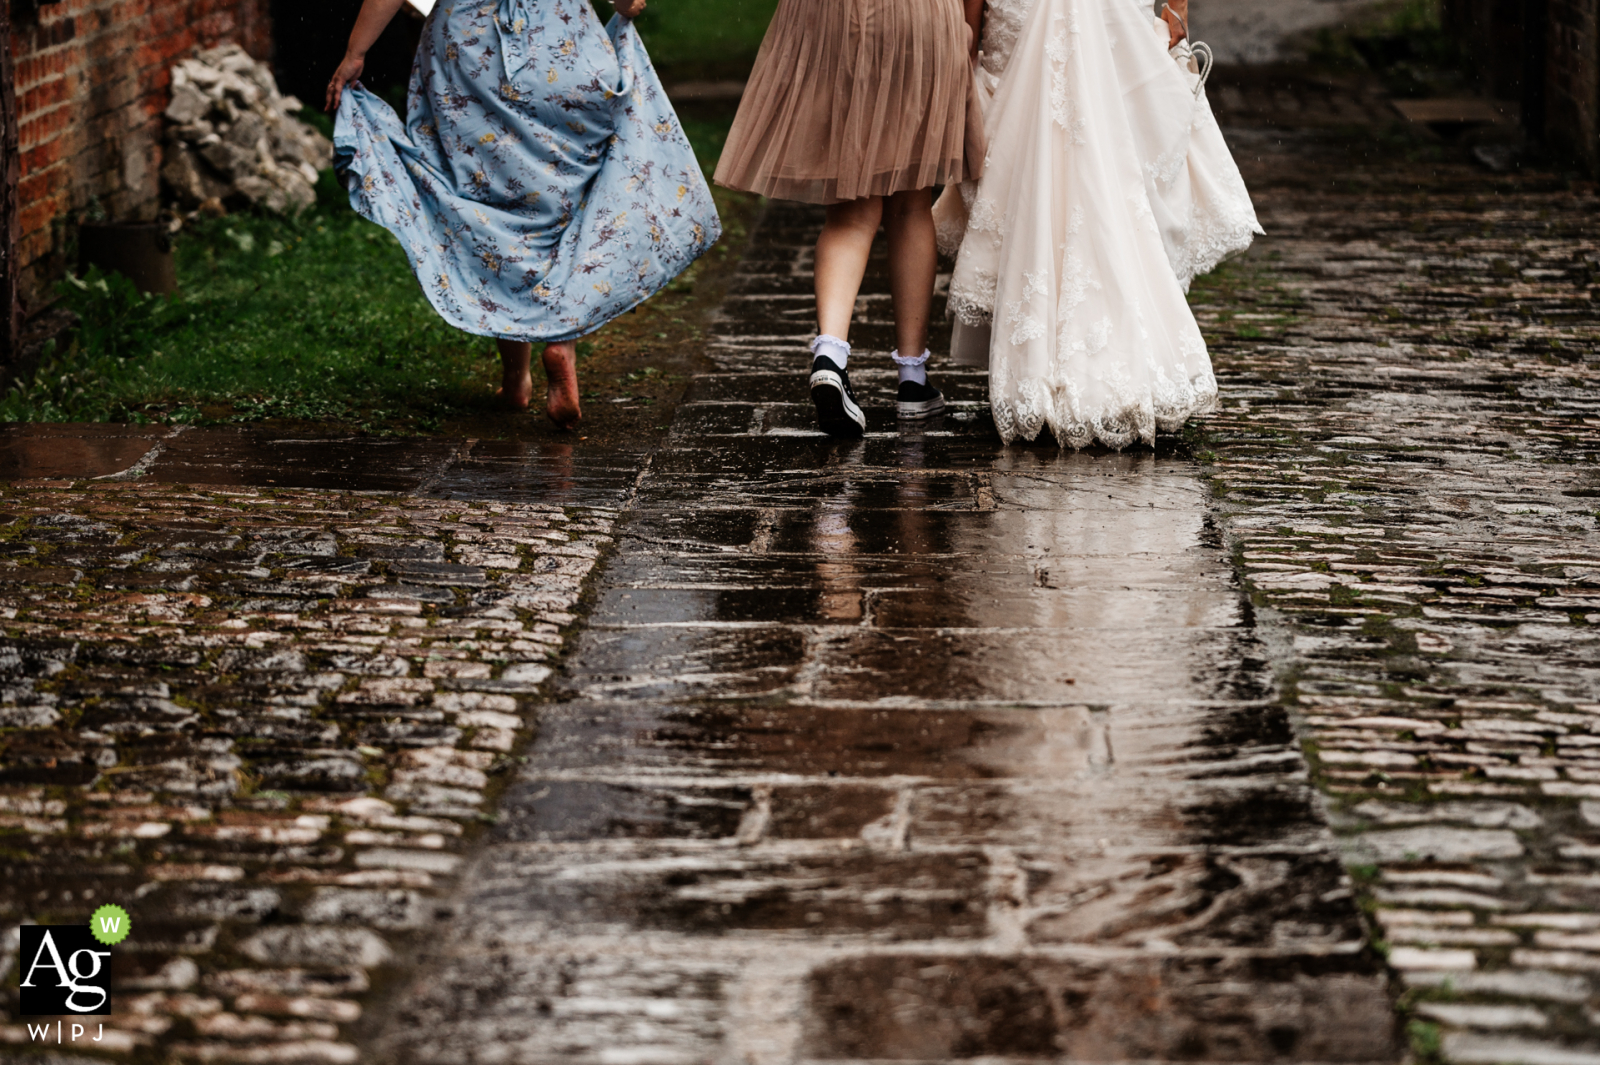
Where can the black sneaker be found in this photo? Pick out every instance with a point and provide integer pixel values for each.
(837, 412)
(919, 401)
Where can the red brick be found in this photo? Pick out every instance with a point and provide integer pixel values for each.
(38, 129)
(41, 156)
(37, 68)
(36, 187)
(92, 79)
(37, 216)
(47, 95)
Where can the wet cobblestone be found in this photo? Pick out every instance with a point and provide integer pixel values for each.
(268, 722)
(1405, 468)
(918, 748)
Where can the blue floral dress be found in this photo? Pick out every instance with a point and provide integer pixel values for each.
(541, 184)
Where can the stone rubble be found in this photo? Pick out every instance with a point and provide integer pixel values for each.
(233, 138)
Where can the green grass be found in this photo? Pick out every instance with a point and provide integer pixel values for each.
(714, 33)
(310, 317)
(318, 316)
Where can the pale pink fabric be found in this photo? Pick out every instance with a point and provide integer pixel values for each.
(853, 98)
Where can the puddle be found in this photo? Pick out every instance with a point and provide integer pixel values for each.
(74, 451)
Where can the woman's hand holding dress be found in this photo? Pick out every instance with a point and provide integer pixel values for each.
(349, 70)
(629, 8)
(375, 15)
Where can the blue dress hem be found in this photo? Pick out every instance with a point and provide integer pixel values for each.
(541, 185)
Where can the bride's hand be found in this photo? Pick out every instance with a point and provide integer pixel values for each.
(1175, 13)
(629, 8)
(348, 71)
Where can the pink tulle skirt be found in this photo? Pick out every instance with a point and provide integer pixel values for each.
(853, 98)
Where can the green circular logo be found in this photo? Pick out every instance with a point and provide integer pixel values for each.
(110, 924)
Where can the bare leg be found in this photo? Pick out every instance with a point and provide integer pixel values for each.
(842, 252)
(913, 265)
(516, 383)
(561, 376)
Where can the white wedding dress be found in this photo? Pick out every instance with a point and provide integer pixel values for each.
(1106, 189)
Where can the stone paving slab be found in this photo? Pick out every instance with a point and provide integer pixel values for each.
(260, 459)
(74, 451)
(889, 751)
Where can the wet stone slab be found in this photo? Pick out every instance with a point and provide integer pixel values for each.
(28, 451)
(1105, 1009)
(917, 748)
(262, 459)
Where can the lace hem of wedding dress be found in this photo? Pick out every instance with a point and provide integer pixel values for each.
(974, 306)
(1042, 403)
(1226, 224)
(1109, 187)
(1212, 242)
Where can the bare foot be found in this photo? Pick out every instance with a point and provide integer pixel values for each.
(516, 390)
(516, 383)
(561, 373)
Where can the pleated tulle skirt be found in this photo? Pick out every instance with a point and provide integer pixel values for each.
(853, 98)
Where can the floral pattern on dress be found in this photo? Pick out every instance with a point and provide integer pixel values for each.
(541, 184)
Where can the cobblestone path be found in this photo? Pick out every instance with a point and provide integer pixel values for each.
(1405, 469)
(269, 721)
(918, 748)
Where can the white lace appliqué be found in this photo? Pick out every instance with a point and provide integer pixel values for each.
(1063, 104)
(1131, 192)
(1024, 326)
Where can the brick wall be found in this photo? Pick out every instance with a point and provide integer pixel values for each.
(1572, 80)
(1562, 104)
(91, 83)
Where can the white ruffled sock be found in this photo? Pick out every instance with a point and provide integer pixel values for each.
(833, 348)
(912, 369)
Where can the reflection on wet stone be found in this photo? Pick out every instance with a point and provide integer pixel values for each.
(589, 810)
(75, 450)
(1136, 1009)
(917, 748)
